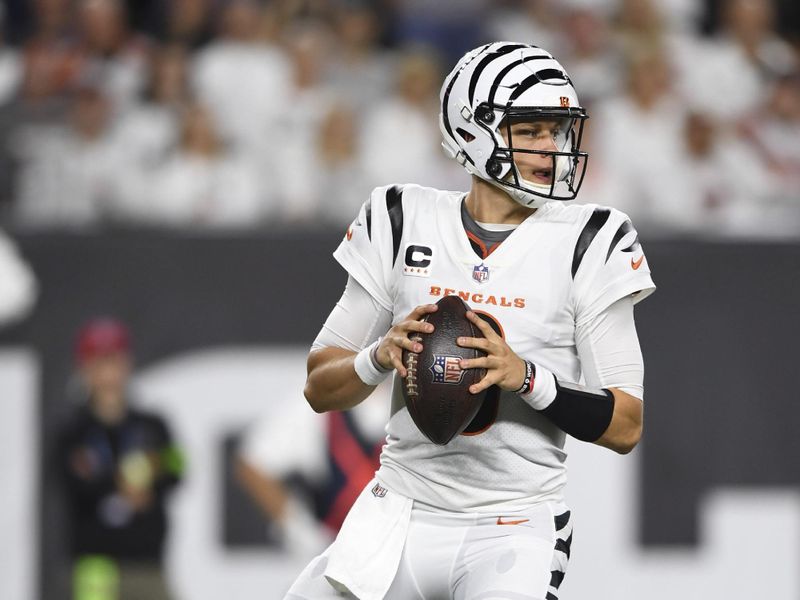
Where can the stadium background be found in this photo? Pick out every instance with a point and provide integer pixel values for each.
(224, 302)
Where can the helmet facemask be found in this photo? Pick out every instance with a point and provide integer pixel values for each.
(567, 163)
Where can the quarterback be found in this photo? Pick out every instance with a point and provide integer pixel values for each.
(483, 517)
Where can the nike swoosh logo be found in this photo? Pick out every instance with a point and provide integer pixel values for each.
(500, 521)
(635, 264)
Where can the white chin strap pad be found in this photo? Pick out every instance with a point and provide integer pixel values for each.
(562, 167)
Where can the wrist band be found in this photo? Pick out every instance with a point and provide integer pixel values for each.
(367, 369)
(373, 356)
(542, 389)
(527, 382)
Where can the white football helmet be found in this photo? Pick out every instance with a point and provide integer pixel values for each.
(504, 82)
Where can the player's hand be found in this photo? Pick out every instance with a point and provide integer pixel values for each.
(390, 351)
(503, 367)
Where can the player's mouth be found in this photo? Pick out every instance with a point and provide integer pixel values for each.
(542, 176)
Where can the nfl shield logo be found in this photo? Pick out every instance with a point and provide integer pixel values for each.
(480, 273)
(446, 369)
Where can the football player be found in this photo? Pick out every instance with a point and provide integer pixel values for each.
(484, 516)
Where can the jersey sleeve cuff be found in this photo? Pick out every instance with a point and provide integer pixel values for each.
(359, 269)
(641, 286)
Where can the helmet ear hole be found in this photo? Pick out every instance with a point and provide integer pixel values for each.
(485, 113)
(493, 167)
(465, 135)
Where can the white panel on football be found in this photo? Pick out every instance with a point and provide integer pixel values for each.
(205, 396)
(19, 464)
(749, 540)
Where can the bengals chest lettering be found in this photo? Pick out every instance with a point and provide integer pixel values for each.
(477, 297)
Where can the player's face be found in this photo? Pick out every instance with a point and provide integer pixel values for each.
(539, 136)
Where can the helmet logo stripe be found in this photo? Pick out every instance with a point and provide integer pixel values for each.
(537, 77)
(473, 82)
(507, 69)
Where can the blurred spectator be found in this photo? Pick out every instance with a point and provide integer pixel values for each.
(727, 74)
(640, 26)
(305, 470)
(537, 22)
(147, 133)
(10, 66)
(18, 287)
(111, 53)
(307, 46)
(750, 25)
(189, 23)
(636, 142)
(150, 129)
(721, 178)
(327, 184)
(50, 71)
(52, 61)
(119, 466)
(202, 184)
(682, 16)
(774, 130)
(401, 140)
(773, 134)
(69, 176)
(359, 70)
(450, 26)
(281, 77)
(244, 81)
(588, 54)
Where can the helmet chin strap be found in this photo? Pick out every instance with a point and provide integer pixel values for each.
(528, 199)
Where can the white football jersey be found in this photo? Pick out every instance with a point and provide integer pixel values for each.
(563, 265)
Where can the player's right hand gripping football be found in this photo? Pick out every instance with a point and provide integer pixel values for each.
(503, 367)
(390, 351)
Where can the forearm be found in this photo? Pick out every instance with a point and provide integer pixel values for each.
(605, 416)
(608, 410)
(270, 494)
(625, 429)
(332, 382)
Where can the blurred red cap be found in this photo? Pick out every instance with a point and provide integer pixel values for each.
(100, 337)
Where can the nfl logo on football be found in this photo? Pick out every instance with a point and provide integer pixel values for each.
(480, 273)
(446, 369)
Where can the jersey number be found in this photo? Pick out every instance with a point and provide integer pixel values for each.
(487, 413)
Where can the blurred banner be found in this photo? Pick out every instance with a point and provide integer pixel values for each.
(708, 507)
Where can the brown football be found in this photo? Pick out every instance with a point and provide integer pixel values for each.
(436, 389)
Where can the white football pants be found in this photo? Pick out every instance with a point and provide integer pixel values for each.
(449, 556)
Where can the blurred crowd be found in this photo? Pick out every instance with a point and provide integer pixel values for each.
(247, 114)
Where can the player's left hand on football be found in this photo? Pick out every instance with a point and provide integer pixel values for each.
(503, 367)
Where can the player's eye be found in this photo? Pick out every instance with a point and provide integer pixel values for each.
(531, 132)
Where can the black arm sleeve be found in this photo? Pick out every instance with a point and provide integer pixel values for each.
(582, 413)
